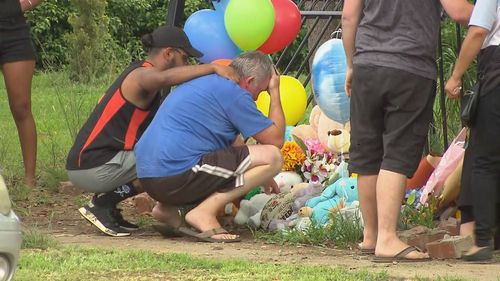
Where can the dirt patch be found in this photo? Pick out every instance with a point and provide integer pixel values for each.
(58, 215)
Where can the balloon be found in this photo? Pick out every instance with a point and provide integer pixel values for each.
(249, 22)
(220, 5)
(293, 100)
(328, 77)
(222, 61)
(206, 32)
(286, 26)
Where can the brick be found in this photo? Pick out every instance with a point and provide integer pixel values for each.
(450, 247)
(451, 226)
(68, 188)
(143, 203)
(419, 236)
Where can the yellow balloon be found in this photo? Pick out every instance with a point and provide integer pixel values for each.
(293, 100)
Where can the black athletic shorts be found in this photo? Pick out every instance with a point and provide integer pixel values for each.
(219, 171)
(15, 40)
(391, 111)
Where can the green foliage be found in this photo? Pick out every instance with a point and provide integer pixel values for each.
(413, 214)
(92, 50)
(34, 239)
(79, 263)
(49, 24)
(341, 231)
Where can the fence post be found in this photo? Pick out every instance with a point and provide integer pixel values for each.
(175, 12)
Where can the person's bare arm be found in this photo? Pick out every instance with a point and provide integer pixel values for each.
(470, 48)
(351, 15)
(274, 134)
(27, 5)
(458, 10)
(151, 80)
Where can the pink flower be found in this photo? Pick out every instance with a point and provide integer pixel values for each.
(315, 146)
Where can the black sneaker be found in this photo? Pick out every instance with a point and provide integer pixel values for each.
(103, 219)
(117, 214)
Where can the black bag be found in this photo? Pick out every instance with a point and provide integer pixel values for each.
(469, 102)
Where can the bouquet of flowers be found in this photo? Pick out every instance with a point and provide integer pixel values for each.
(319, 164)
(293, 156)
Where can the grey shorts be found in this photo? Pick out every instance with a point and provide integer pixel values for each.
(116, 172)
(219, 171)
(390, 115)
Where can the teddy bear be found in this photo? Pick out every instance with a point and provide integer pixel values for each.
(304, 131)
(286, 180)
(250, 210)
(339, 141)
(336, 196)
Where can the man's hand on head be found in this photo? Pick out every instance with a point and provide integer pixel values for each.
(227, 72)
(274, 83)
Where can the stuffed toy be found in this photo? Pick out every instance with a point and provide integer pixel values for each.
(339, 141)
(250, 210)
(286, 179)
(305, 132)
(336, 196)
(278, 208)
(326, 125)
(303, 192)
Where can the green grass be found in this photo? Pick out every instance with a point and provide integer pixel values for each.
(59, 107)
(78, 263)
(34, 239)
(341, 232)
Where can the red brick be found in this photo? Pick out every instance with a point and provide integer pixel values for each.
(450, 247)
(450, 225)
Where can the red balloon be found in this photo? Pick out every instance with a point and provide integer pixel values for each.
(286, 26)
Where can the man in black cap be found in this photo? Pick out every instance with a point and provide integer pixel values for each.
(102, 158)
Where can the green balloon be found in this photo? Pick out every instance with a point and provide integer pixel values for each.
(249, 22)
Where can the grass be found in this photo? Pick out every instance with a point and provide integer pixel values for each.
(341, 232)
(79, 263)
(35, 239)
(59, 107)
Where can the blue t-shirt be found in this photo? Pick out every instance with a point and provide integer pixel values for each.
(200, 116)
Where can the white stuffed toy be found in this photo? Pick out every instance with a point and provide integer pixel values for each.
(250, 210)
(286, 180)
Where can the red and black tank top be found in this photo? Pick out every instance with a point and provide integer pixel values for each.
(115, 125)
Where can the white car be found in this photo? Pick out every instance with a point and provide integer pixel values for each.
(10, 235)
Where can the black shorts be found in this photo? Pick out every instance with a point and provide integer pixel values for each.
(390, 115)
(15, 41)
(219, 171)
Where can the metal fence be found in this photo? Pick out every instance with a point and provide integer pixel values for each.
(321, 19)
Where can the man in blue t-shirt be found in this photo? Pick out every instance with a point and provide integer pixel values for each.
(190, 153)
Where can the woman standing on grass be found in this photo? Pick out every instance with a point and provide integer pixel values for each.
(483, 38)
(17, 61)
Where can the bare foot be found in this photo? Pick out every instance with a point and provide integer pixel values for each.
(203, 221)
(369, 241)
(395, 246)
(167, 214)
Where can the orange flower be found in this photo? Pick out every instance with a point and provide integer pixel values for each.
(293, 156)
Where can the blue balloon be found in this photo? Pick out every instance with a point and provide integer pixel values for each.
(328, 76)
(206, 32)
(220, 5)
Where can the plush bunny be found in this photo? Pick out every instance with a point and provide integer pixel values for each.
(336, 196)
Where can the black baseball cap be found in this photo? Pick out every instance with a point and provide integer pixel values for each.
(170, 36)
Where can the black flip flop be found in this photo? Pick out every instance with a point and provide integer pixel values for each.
(401, 257)
(483, 255)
